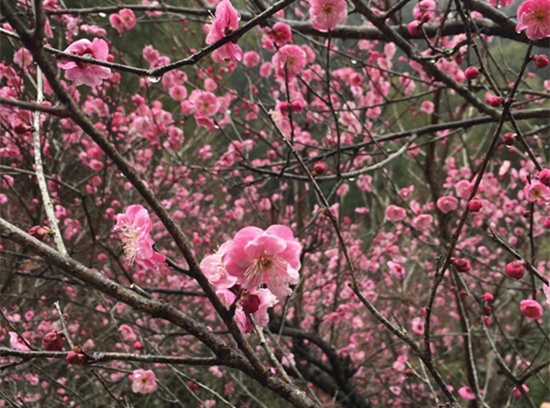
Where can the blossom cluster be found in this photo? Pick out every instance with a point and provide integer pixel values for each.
(255, 270)
(135, 227)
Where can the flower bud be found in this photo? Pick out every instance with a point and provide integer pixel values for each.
(475, 205)
(541, 61)
(414, 28)
(494, 101)
(461, 264)
(53, 341)
(250, 303)
(515, 269)
(509, 138)
(488, 297)
(193, 386)
(76, 356)
(39, 232)
(318, 169)
(544, 177)
(471, 73)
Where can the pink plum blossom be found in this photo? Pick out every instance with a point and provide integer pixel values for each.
(17, 343)
(251, 59)
(135, 226)
(424, 10)
(82, 72)
(289, 61)
(536, 192)
(225, 22)
(467, 393)
(395, 213)
(205, 103)
(530, 308)
(427, 107)
(417, 325)
(271, 257)
(127, 333)
(327, 14)
(422, 221)
(143, 381)
(214, 269)
(534, 18)
(447, 204)
(125, 19)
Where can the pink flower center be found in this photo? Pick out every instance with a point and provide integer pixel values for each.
(328, 9)
(256, 272)
(130, 237)
(540, 16)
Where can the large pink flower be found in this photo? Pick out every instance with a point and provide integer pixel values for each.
(226, 21)
(289, 61)
(143, 381)
(82, 72)
(135, 226)
(327, 14)
(534, 18)
(270, 257)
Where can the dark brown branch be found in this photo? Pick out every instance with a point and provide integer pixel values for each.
(33, 106)
(102, 357)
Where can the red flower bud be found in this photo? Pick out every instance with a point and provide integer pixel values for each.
(475, 205)
(39, 232)
(193, 386)
(515, 269)
(76, 356)
(53, 341)
(541, 61)
(461, 264)
(494, 101)
(471, 73)
(250, 303)
(544, 177)
(488, 297)
(297, 105)
(414, 28)
(318, 169)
